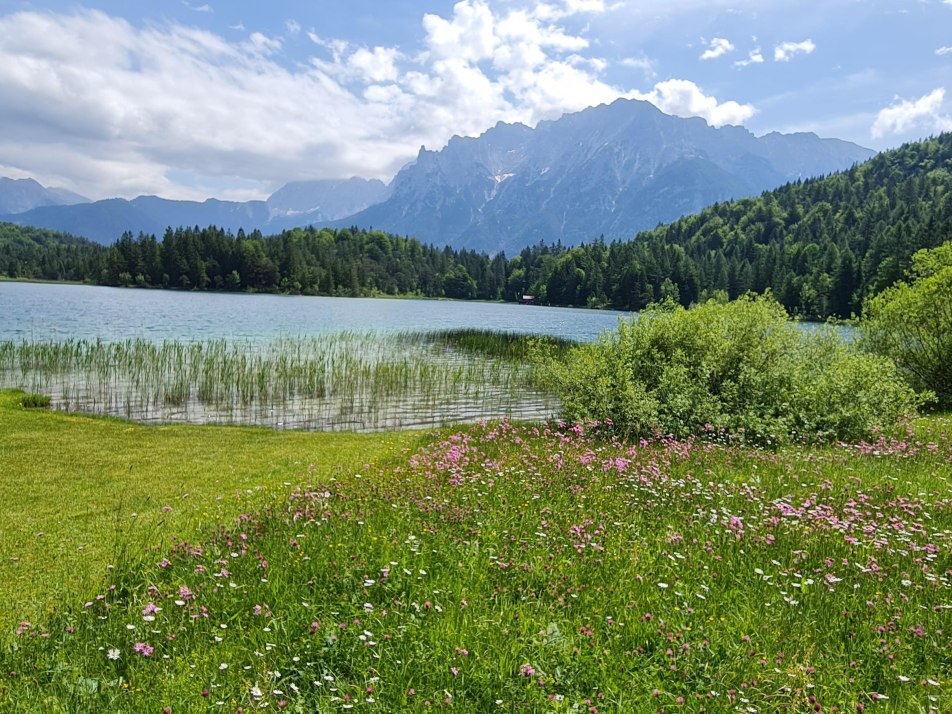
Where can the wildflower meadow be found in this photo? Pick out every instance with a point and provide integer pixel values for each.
(513, 567)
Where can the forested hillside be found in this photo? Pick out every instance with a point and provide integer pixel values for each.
(38, 253)
(821, 246)
(309, 261)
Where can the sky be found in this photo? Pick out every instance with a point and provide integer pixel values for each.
(189, 99)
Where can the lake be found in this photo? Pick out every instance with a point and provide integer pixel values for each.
(53, 312)
(285, 362)
(316, 363)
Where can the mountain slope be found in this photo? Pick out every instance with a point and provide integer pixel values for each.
(613, 170)
(325, 200)
(39, 253)
(821, 246)
(18, 195)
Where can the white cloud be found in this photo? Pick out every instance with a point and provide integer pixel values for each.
(547, 11)
(105, 107)
(923, 114)
(197, 8)
(264, 44)
(785, 51)
(468, 35)
(336, 47)
(684, 98)
(755, 57)
(642, 63)
(293, 27)
(718, 47)
(378, 65)
(944, 50)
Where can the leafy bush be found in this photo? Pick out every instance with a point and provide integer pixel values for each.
(739, 369)
(35, 401)
(911, 323)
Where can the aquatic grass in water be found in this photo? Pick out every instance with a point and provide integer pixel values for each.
(501, 345)
(353, 381)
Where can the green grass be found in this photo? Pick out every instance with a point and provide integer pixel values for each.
(507, 346)
(511, 568)
(35, 401)
(77, 491)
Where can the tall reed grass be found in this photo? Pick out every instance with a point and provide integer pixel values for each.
(346, 381)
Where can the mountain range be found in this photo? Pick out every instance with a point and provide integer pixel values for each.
(19, 195)
(295, 204)
(610, 170)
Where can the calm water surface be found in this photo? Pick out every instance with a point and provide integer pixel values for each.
(367, 389)
(44, 312)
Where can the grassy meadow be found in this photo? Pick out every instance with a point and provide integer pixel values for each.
(78, 491)
(495, 567)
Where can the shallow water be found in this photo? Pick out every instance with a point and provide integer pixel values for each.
(353, 382)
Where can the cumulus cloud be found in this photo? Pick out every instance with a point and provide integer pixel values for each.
(924, 114)
(786, 51)
(468, 35)
(717, 48)
(944, 50)
(105, 107)
(377, 65)
(684, 98)
(755, 57)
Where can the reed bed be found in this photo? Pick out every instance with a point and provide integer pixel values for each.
(501, 345)
(346, 381)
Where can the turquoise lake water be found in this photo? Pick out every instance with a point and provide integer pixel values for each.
(50, 312)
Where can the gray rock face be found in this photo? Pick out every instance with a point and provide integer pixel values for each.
(611, 170)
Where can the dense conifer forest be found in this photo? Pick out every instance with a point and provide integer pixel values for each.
(821, 246)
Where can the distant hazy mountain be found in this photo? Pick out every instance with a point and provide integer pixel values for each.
(296, 204)
(18, 195)
(326, 200)
(612, 170)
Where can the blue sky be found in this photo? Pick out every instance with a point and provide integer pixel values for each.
(232, 100)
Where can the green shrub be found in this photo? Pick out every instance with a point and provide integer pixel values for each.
(844, 393)
(35, 401)
(911, 323)
(740, 370)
